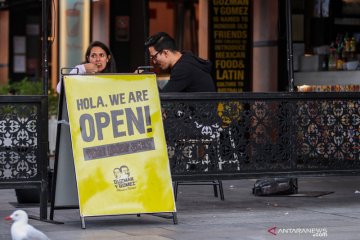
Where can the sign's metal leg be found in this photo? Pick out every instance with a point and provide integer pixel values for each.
(175, 219)
(83, 222)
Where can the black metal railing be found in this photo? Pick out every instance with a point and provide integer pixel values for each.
(24, 145)
(238, 135)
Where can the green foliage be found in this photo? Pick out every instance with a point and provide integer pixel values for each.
(53, 102)
(4, 90)
(26, 87)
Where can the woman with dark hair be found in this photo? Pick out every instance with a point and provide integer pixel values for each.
(98, 59)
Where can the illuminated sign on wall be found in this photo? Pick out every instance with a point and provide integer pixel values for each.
(74, 36)
(230, 40)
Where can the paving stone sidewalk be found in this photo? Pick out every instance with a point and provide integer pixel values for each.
(202, 216)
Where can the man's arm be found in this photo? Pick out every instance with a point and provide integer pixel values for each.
(179, 80)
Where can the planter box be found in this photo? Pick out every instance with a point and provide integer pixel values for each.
(31, 195)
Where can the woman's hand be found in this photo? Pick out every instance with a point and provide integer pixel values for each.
(91, 68)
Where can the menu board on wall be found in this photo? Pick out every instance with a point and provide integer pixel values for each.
(230, 23)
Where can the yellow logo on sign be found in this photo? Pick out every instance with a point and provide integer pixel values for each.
(123, 180)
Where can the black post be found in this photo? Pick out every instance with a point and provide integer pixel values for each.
(45, 64)
(45, 143)
(179, 28)
(145, 7)
(290, 57)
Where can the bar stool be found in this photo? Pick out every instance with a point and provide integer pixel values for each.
(196, 153)
(214, 183)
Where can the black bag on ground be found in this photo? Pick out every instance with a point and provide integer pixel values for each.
(275, 186)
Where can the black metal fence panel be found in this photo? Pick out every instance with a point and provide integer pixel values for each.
(234, 135)
(24, 144)
(18, 146)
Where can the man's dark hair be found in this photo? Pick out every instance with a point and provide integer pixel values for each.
(111, 65)
(161, 41)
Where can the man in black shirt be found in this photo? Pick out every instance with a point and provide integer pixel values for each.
(189, 73)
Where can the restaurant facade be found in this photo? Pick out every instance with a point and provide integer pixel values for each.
(245, 40)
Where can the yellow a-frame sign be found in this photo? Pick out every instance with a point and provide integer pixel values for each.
(119, 146)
